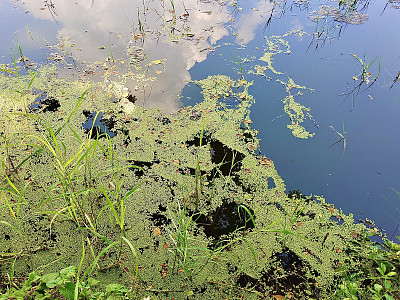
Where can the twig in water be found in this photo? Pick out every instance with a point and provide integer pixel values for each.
(342, 137)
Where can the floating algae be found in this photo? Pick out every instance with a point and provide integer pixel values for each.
(275, 45)
(77, 184)
(296, 112)
(348, 16)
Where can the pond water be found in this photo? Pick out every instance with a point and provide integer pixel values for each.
(352, 158)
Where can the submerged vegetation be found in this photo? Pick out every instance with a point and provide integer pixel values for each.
(151, 208)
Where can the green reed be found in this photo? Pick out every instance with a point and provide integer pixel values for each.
(364, 78)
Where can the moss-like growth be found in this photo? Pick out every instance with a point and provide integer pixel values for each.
(127, 209)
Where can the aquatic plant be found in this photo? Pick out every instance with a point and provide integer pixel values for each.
(364, 77)
(124, 209)
(331, 21)
(62, 284)
(296, 112)
(377, 275)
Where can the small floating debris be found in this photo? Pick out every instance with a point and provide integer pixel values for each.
(352, 17)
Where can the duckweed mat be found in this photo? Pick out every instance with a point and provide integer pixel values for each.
(171, 206)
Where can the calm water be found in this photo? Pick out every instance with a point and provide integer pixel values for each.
(193, 39)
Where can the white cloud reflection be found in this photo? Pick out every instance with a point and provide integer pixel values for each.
(248, 22)
(182, 35)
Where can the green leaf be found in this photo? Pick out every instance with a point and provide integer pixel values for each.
(97, 295)
(353, 287)
(68, 290)
(117, 289)
(383, 268)
(34, 276)
(378, 287)
(49, 277)
(388, 297)
(388, 284)
(391, 274)
(55, 282)
(93, 281)
(68, 272)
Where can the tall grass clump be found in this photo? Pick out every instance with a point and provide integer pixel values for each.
(76, 189)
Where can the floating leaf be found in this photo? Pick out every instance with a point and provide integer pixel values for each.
(157, 230)
(164, 272)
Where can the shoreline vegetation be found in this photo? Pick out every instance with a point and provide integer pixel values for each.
(103, 199)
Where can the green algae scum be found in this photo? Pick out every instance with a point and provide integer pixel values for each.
(163, 206)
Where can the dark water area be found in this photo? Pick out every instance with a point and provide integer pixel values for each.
(359, 179)
(211, 38)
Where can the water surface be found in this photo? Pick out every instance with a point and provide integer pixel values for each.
(171, 43)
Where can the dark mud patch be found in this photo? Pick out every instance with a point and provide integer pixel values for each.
(295, 194)
(158, 218)
(139, 167)
(226, 219)
(287, 278)
(44, 104)
(227, 160)
(290, 277)
(246, 281)
(132, 98)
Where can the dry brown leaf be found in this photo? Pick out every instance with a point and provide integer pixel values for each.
(164, 272)
(157, 230)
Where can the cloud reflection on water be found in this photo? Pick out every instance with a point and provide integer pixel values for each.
(183, 34)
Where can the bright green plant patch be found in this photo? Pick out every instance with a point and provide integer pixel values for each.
(151, 208)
